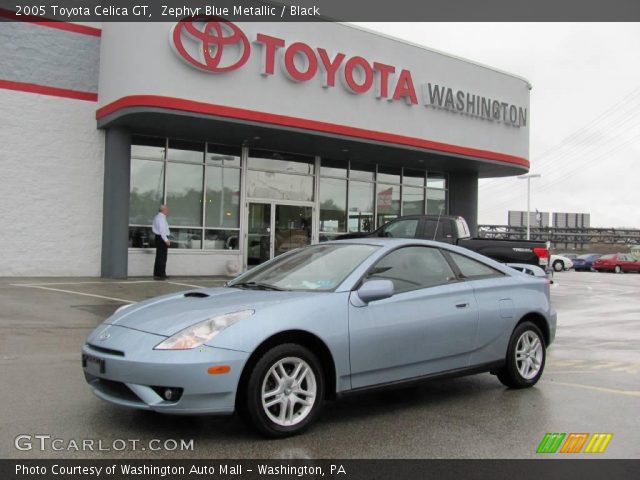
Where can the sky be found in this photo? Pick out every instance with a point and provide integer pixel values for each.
(585, 112)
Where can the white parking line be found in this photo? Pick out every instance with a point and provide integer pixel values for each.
(186, 285)
(631, 393)
(77, 283)
(122, 300)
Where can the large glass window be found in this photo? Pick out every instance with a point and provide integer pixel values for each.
(223, 198)
(279, 186)
(183, 151)
(360, 207)
(436, 201)
(413, 192)
(412, 200)
(388, 202)
(184, 194)
(388, 174)
(333, 205)
(190, 238)
(176, 176)
(222, 156)
(281, 162)
(333, 168)
(413, 177)
(362, 171)
(148, 147)
(146, 190)
(437, 194)
(436, 180)
(280, 176)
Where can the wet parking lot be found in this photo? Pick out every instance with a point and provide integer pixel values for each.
(591, 384)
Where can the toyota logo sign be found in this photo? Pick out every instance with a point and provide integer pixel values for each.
(210, 43)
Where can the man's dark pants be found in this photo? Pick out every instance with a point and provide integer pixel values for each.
(160, 265)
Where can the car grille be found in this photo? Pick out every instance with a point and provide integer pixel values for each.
(107, 351)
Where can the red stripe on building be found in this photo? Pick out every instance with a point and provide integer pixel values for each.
(58, 24)
(51, 91)
(314, 125)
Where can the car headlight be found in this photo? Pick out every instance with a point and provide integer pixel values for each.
(202, 332)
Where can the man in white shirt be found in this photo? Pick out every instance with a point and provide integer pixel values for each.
(161, 229)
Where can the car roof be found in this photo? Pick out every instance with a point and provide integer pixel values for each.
(391, 243)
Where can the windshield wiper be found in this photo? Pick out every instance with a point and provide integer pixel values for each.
(258, 286)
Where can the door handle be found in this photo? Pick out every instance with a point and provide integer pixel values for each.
(462, 305)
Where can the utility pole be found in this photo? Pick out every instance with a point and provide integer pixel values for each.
(528, 177)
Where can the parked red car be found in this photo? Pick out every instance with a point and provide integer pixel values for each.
(616, 262)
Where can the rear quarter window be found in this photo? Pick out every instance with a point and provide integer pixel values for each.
(473, 269)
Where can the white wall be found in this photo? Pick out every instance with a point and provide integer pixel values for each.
(186, 262)
(51, 181)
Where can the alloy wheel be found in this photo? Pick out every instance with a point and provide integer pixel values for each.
(289, 390)
(529, 354)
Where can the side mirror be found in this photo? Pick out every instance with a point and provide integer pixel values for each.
(375, 290)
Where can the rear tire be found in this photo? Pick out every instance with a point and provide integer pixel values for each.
(526, 355)
(285, 391)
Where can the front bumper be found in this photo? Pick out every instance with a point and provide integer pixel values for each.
(125, 370)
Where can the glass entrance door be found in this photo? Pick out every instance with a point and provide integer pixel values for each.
(259, 234)
(275, 228)
(292, 228)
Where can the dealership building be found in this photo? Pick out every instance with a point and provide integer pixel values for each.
(260, 137)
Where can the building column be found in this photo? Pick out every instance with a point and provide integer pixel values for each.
(463, 198)
(115, 207)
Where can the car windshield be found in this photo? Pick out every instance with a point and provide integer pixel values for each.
(607, 257)
(318, 268)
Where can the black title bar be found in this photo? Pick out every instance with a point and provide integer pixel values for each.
(323, 10)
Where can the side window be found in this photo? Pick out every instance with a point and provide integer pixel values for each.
(411, 268)
(471, 268)
(401, 229)
(444, 229)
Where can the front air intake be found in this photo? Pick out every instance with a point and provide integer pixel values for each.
(196, 294)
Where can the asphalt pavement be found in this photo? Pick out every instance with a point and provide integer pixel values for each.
(591, 384)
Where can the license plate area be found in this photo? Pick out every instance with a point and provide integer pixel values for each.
(93, 363)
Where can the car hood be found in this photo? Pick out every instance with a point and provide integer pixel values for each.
(168, 314)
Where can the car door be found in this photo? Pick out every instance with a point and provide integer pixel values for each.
(494, 293)
(628, 263)
(427, 326)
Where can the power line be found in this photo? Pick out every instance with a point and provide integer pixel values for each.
(602, 117)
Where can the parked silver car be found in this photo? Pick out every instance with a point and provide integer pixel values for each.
(320, 322)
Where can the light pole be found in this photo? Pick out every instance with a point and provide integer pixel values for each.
(529, 176)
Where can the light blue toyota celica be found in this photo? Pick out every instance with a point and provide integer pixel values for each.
(320, 322)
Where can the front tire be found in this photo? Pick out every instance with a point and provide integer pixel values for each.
(526, 355)
(285, 391)
(558, 265)
(617, 269)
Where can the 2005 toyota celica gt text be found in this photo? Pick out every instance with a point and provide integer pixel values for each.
(319, 322)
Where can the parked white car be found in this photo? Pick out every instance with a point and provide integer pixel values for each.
(560, 263)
